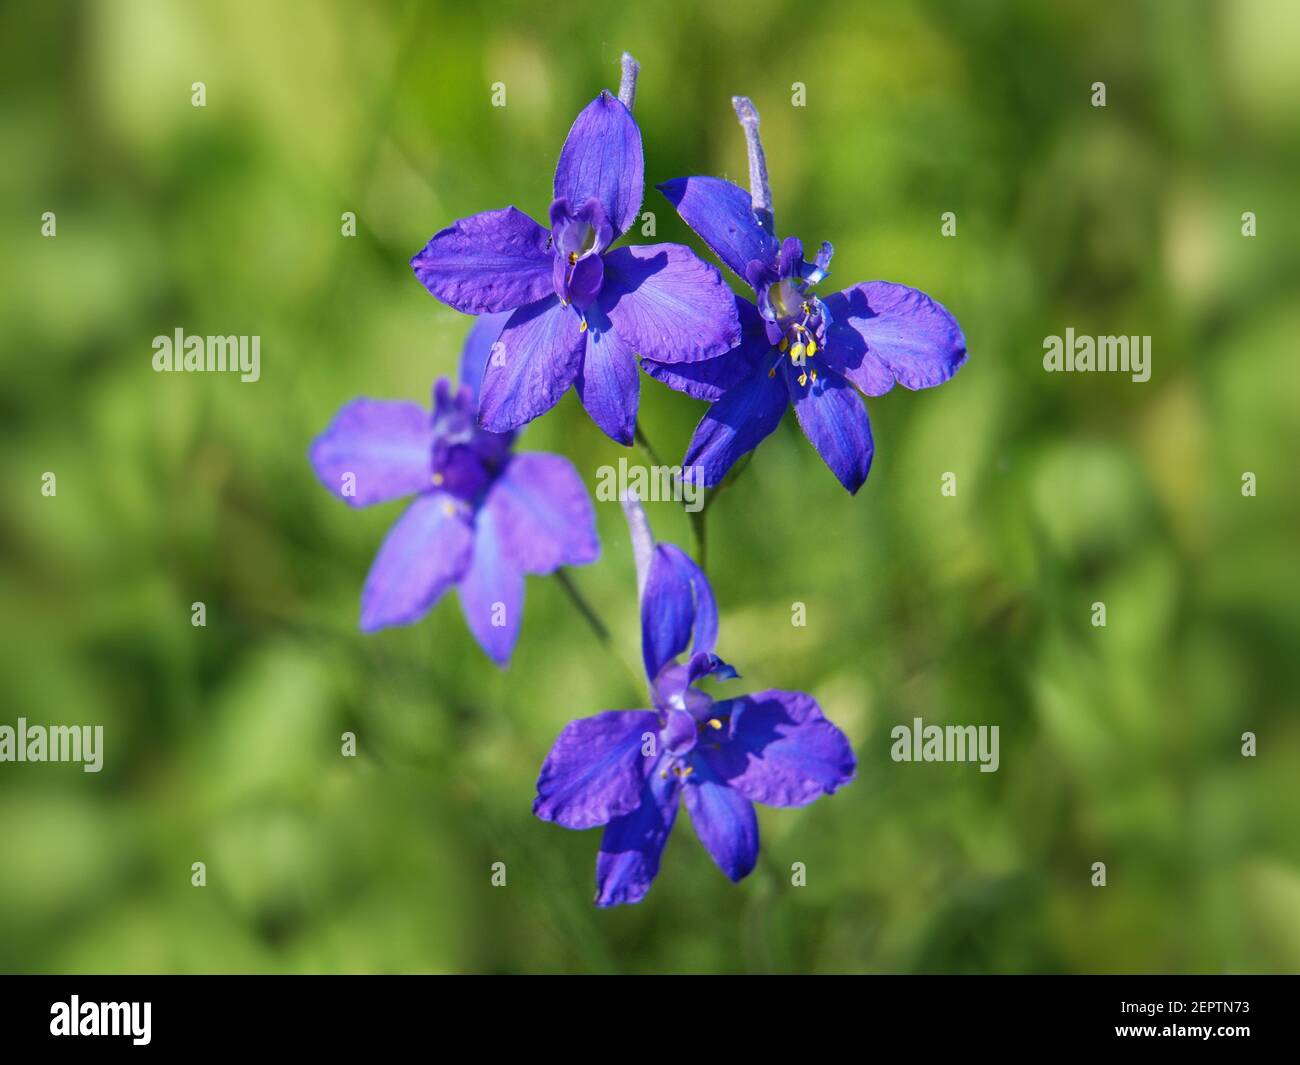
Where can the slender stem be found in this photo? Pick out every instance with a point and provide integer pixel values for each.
(638, 434)
(733, 475)
(700, 527)
(584, 608)
(597, 626)
(760, 192)
(627, 87)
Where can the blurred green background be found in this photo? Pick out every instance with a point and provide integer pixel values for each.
(1120, 744)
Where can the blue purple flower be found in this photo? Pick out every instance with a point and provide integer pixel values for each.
(628, 770)
(482, 516)
(798, 348)
(580, 311)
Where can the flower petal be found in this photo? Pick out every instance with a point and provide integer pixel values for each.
(677, 601)
(834, 418)
(668, 304)
(375, 450)
(723, 819)
(493, 261)
(478, 349)
(780, 749)
(595, 771)
(632, 845)
(722, 215)
(740, 421)
(424, 553)
(602, 160)
(711, 378)
(543, 513)
(536, 359)
(608, 383)
(885, 332)
(492, 591)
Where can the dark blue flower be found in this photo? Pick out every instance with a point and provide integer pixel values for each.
(798, 348)
(581, 312)
(629, 769)
(483, 516)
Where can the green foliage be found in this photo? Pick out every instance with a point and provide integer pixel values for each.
(1118, 744)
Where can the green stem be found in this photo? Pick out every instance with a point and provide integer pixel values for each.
(584, 608)
(700, 527)
(700, 518)
(593, 619)
(638, 434)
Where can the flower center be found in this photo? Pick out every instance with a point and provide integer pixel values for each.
(803, 336)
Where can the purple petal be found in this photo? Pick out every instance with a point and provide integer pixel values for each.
(543, 514)
(377, 449)
(833, 417)
(492, 591)
(669, 304)
(722, 215)
(596, 771)
(601, 159)
(723, 819)
(711, 378)
(780, 750)
(885, 332)
(633, 844)
(478, 348)
(677, 601)
(494, 261)
(608, 383)
(790, 257)
(424, 553)
(744, 417)
(536, 359)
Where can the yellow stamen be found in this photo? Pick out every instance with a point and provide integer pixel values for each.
(803, 378)
(438, 478)
(583, 328)
(573, 257)
(783, 345)
(715, 723)
(448, 509)
(814, 375)
(812, 348)
(796, 352)
(771, 372)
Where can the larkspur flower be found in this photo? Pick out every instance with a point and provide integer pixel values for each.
(799, 348)
(483, 516)
(581, 310)
(628, 769)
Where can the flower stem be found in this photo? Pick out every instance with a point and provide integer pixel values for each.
(627, 87)
(584, 608)
(760, 192)
(700, 518)
(638, 434)
(597, 626)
